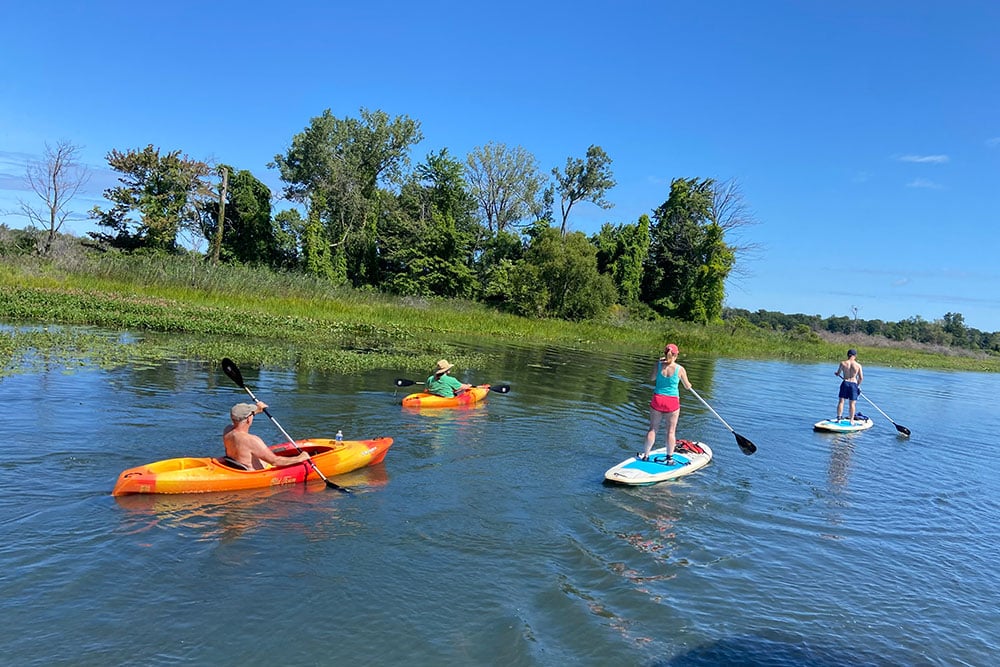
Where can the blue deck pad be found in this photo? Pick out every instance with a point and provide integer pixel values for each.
(844, 421)
(844, 425)
(655, 463)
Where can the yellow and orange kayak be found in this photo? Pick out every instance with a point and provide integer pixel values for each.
(204, 474)
(425, 400)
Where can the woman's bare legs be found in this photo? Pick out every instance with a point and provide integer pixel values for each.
(655, 417)
(671, 431)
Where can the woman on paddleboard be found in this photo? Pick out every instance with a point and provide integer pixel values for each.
(668, 375)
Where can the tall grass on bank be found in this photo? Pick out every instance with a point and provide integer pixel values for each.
(293, 319)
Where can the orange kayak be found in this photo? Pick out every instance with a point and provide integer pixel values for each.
(203, 474)
(425, 400)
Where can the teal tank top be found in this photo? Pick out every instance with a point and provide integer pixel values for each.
(667, 386)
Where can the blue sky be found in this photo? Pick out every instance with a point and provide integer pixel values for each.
(864, 135)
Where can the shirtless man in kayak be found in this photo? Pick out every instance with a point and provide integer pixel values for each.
(851, 376)
(247, 449)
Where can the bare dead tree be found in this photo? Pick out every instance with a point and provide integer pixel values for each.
(56, 179)
(729, 210)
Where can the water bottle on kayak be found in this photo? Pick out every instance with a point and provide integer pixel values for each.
(340, 436)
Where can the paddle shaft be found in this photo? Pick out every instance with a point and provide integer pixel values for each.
(901, 429)
(705, 403)
(498, 388)
(746, 446)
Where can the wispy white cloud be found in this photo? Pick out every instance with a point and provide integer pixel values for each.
(13, 182)
(924, 183)
(993, 142)
(924, 159)
(938, 274)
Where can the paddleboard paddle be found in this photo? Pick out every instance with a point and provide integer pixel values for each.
(746, 446)
(902, 429)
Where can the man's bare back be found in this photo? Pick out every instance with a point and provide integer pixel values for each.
(849, 370)
(248, 449)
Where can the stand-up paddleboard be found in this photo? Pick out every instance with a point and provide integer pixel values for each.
(688, 457)
(845, 425)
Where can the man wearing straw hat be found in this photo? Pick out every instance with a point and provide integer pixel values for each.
(442, 384)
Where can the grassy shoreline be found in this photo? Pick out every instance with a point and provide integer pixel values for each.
(178, 308)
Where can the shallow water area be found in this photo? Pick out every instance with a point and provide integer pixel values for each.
(488, 535)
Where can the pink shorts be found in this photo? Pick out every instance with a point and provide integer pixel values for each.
(662, 403)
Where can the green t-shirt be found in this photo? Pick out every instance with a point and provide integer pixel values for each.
(444, 385)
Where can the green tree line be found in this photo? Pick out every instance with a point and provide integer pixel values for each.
(484, 227)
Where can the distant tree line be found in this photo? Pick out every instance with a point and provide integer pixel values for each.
(949, 331)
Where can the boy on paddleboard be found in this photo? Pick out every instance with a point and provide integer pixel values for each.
(851, 375)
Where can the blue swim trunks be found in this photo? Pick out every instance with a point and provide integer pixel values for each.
(849, 390)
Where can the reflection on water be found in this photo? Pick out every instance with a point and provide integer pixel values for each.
(230, 515)
(841, 450)
(449, 414)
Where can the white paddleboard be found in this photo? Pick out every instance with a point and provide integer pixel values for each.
(688, 457)
(845, 425)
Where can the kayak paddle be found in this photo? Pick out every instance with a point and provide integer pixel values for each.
(498, 388)
(901, 429)
(746, 446)
(230, 369)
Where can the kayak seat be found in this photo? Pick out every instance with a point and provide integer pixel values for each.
(233, 463)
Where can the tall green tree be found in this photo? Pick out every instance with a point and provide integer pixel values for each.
(621, 253)
(249, 235)
(349, 162)
(506, 184)
(288, 229)
(689, 261)
(317, 258)
(584, 180)
(429, 243)
(954, 324)
(495, 264)
(558, 277)
(158, 195)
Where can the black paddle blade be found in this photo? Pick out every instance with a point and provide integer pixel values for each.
(500, 388)
(746, 446)
(403, 382)
(230, 369)
(901, 429)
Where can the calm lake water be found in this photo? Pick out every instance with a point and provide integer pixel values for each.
(488, 538)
